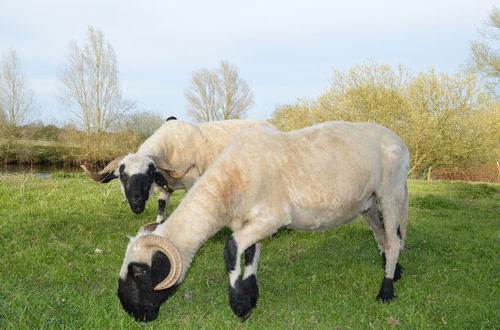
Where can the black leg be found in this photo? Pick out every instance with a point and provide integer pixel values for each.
(397, 272)
(243, 291)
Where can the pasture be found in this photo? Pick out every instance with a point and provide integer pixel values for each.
(62, 241)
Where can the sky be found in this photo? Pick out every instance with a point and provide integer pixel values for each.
(284, 50)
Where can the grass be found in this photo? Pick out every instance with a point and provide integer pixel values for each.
(62, 240)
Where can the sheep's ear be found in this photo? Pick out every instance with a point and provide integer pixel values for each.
(164, 166)
(161, 164)
(160, 179)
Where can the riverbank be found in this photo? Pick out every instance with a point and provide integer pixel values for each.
(52, 153)
(36, 152)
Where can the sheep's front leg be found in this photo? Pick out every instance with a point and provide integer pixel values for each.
(162, 203)
(243, 291)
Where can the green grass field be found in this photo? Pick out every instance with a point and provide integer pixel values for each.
(62, 240)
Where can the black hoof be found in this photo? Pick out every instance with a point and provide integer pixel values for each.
(243, 297)
(386, 292)
(384, 299)
(398, 272)
(245, 317)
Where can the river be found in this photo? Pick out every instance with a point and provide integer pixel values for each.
(40, 170)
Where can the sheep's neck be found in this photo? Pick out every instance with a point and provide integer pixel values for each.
(197, 218)
(189, 227)
(152, 149)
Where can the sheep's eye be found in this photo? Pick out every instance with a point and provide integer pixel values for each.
(122, 168)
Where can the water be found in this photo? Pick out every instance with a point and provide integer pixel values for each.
(40, 170)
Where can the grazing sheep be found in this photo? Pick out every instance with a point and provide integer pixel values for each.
(172, 158)
(315, 178)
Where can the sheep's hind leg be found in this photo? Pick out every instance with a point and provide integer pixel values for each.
(162, 204)
(375, 221)
(243, 291)
(393, 213)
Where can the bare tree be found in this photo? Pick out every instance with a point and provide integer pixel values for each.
(90, 86)
(203, 96)
(236, 96)
(16, 98)
(218, 94)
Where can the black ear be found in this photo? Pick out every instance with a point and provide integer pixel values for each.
(171, 118)
(109, 177)
(160, 267)
(160, 179)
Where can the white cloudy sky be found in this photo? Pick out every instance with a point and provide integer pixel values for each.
(284, 49)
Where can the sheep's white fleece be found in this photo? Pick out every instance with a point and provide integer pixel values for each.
(312, 179)
(193, 147)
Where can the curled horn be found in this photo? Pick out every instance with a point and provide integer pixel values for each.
(111, 167)
(159, 243)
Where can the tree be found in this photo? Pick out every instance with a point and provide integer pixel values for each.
(290, 117)
(446, 123)
(485, 60)
(143, 124)
(90, 88)
(218, 94)
(366, 92)
(16, 98)
(445, 120)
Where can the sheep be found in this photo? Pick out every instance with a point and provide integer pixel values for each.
(311, 179)
(172, 158)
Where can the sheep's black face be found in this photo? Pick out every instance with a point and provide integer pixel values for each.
(138, 186)
(136, 291)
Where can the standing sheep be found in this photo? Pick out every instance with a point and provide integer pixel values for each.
(315, 178)
(173, 158)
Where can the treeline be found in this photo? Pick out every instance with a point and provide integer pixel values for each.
(37, 143)
(445, 120)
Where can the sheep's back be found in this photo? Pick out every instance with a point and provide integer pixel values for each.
(317, 167)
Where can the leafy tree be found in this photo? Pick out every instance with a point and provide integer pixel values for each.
(446, 125)
(293, 116)
(218, 94)
(445, 120)
(485, 59)
(366, 92)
